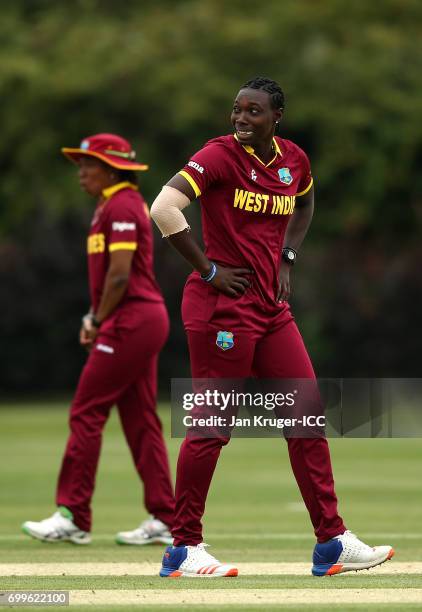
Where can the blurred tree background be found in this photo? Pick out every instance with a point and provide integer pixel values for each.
(164, 73)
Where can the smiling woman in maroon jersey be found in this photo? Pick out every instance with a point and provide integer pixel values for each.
(257, 201)
(125, 329)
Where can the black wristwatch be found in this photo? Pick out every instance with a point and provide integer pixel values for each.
(93, 320)
(289, 255)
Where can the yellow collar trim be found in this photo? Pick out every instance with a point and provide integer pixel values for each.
(110, 191)
(276, 147)
(251, 151)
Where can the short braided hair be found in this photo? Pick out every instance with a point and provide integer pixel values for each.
(271, 87)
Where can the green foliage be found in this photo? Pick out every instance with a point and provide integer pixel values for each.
(164, 73)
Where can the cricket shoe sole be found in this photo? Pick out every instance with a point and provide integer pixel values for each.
(211, 571)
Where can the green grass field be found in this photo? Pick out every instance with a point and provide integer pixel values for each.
(254, 514)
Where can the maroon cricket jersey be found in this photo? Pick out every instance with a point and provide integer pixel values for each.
(246, 204)
(122, 222)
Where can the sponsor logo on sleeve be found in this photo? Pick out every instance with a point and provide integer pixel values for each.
(196, 166)
(123, 226)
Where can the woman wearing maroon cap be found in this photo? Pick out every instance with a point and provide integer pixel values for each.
(124, 331)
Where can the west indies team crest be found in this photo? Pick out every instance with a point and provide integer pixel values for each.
(285, 176)
(225, 340)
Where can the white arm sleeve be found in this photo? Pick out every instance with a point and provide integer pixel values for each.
(166, 211)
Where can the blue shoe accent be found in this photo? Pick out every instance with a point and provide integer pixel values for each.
(325, 556)
(173, 559)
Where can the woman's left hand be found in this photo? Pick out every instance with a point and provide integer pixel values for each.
(88, 332)
(284, 283)
(92, 334)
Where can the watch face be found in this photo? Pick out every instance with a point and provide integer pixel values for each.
(289, 256)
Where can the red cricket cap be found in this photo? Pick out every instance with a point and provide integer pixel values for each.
(109, 148)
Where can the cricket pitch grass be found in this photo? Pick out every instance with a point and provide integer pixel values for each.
(255, 518)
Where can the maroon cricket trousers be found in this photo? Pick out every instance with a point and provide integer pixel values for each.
(267, 344)
(121, 369)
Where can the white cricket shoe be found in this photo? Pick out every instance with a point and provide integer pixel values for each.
(346, 553)
(193, 562)
(58, 528)
(150, 531)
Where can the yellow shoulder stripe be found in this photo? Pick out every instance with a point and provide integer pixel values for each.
(191, 182)
(307, 189)
(122, 246)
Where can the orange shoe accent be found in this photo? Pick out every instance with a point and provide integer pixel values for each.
(175, 574)
(334, 569)
(390, 554)
(233, 572)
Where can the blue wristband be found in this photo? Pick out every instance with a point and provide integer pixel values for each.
(208, 277)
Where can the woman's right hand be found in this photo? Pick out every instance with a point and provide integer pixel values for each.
(231, 281)
(84, 334)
